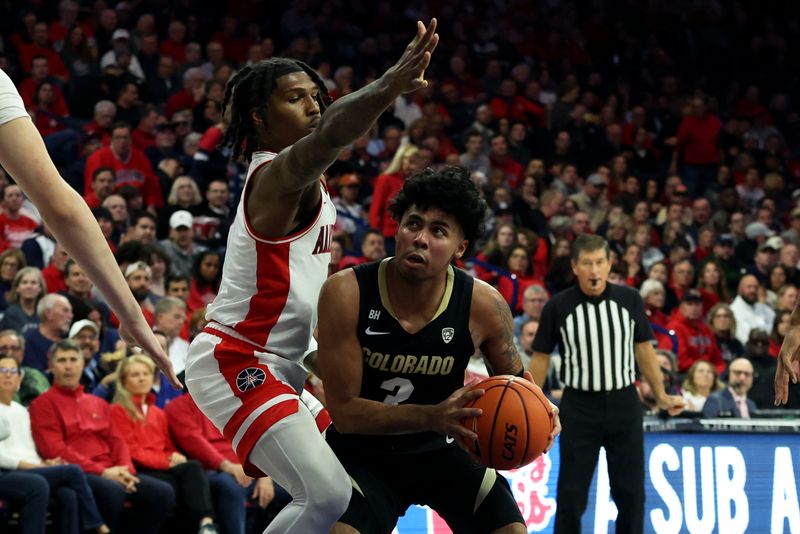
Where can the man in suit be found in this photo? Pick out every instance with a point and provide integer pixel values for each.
(733, 401)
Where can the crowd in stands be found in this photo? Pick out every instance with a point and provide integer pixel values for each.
(667, 128)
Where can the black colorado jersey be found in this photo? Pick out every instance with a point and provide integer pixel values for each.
(402, 368)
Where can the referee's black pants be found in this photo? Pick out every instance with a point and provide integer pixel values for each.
(590, 420)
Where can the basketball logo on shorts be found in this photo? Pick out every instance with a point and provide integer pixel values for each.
(447, 334)
(250, 378)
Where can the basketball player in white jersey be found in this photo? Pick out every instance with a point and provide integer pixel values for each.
(24, 156)
(245, 370)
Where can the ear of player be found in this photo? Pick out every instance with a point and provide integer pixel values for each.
(516, 423)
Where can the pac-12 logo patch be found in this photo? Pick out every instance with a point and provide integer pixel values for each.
(447, 334)
(250, 378)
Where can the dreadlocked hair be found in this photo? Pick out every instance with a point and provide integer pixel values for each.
(451, 190)
(251, 89)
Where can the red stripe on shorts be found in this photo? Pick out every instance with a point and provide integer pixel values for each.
(231, 359)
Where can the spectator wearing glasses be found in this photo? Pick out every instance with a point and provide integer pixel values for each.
(723, 323)
(33, 382)
(732, 401)
(764, 365)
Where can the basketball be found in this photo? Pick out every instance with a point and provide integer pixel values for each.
(515, 425)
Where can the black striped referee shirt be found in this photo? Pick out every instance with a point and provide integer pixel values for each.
(595, 336)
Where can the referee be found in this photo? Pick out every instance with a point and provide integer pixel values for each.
(602, 332)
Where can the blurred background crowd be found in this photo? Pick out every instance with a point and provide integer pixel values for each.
(670, 128)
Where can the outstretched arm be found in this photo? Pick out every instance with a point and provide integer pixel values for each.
(23, 155)
(300, 165)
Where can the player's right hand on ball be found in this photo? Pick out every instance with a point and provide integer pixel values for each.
(446, 416)
(408, 74)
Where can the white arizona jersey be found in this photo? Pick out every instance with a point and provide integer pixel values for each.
(270, 287)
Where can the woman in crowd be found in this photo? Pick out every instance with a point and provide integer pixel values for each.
(143, 425)
(183, 195)
(781, 325)
(206, 277)
(712, 285)
(632, 259)
(27, 289)
(642, 236)
(787, 298)
(778, 278)
(76, 505)
(495, 253)
(700, 382)
(512, 288)
(11, 261)
(723, 323)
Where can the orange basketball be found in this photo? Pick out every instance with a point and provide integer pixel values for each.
(515, 425)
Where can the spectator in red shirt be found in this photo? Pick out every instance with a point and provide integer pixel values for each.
(509, 105)
(696, 341)
(143, 426)
(129, 163)
(40, 73)
(174, 46)
(41, 46)
(103, 180)
(373, 248)
(501, 159)
(187, 98)
(14, 226)
(196, 436)
(387, 185)
(102, 121)
(698, 146)
(53, 274)
(518, 264)
(73, 425)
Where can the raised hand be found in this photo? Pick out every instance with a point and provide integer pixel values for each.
(408, 74)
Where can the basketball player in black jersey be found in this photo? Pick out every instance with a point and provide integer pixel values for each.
(394, 340)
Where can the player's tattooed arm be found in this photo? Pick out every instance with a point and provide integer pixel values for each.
(492, 317)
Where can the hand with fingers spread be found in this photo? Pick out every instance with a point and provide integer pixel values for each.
(788, 364)
(446, 416)
(408, 74)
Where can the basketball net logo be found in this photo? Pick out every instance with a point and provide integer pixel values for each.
(250, 378)
(447, 334)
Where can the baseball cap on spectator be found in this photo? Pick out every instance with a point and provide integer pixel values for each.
(692, 295)
(138, 266)
(76, 328)
(775, 242)
(502, 208)
(349, 179)
(120, 33)
(725, 240)
(758, 229)
(596, 179)
(181, 218)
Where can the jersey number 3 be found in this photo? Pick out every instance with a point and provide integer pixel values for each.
(399, 389)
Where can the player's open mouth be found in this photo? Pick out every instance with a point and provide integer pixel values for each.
(416, 259)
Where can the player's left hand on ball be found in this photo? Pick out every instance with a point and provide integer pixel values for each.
(446, 416)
